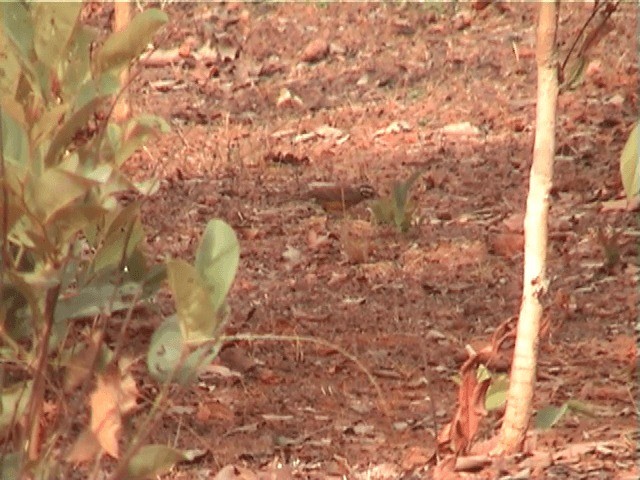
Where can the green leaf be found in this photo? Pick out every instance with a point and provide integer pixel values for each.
(549, 416)
(137, 132)
(152, 461)
(70, 127)
(165, 350)
(496, 395)
(14, 137)
(217, 259)
(77, 71)
(18, 27)
(581, 407)
(48, 123)
(575, 77)
(136, 270)
(14, 311)
(123, 234)
(66, 222)
(196, 314)
(54, 190)
(98, 297)
(11, 67)
(13, 401)
(629, 164)
(54, 24)
(124, 46)
(168, 357)
(10, 465)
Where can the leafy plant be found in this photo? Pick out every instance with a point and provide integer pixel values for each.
(545, 418)
(397, 209)
(548, 417)
(69, 250)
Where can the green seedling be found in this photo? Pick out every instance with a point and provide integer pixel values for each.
(397, 208)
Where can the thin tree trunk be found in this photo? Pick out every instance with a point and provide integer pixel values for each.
(121, 18)
(523, 371)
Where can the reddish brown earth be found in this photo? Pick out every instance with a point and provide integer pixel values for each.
(391, 79)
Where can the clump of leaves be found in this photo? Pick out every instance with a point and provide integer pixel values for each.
(69, 250)
(397, 208)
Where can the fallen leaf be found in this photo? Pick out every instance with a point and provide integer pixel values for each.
(394, 127)
(236, 359)
(106, 421)
(287, 99)
(315, 51)
(115, 395)
(507, 244)
(460, 129)
(292, 255)
(85, 448)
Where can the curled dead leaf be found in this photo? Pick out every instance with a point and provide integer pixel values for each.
(315, 51)
(287, 99)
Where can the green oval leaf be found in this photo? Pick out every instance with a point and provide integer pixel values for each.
(165, 350)
(496, 395)
(153, 460)
(196, 315)
(168, 357)
(549, 416)
(124, 46)
(54, 24)
(217, 260)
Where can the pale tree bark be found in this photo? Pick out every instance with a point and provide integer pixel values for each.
(523, 370)
(121, 17)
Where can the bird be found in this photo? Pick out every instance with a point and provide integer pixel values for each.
(335, 197)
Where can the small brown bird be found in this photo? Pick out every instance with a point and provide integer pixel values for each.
(335, 197)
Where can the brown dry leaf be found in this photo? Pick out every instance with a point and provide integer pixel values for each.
(356, 251)
(315, 50)
(236, 359)
(327, 131)
(128, 399)
(276, 471)
(77, 370)
(416, 457)
(113, 397)
(445, 470)
(215, 411)
(472, 463)
(463, 129)
(232, 472)
(460, 431)
(507, 244)
(106, 421)
(393, 127)
(462, 20)
(287, 99)
(514, 222)
(315, 241)
(85, 448)
(468, 421)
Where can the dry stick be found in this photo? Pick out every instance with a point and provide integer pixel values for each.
(596, 7)
(37, 394)
(590, 39)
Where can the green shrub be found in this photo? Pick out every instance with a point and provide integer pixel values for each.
(70, 251)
